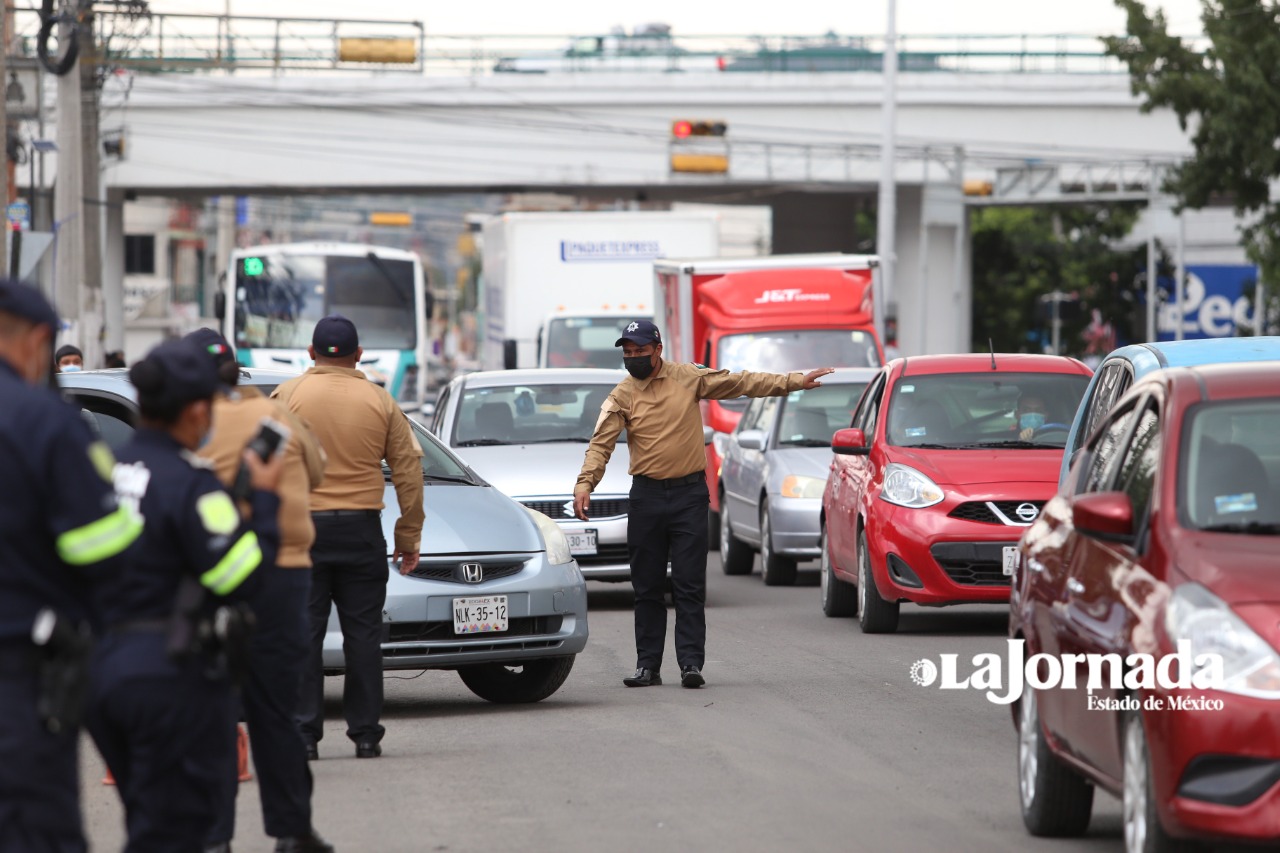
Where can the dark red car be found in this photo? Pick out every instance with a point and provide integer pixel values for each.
(947, 461)
(1167, 534)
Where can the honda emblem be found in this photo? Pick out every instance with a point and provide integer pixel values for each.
(472, 572)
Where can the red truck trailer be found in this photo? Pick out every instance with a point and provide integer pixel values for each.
(773, 314)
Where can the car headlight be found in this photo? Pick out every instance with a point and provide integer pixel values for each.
(553, 537)
(1250, 666)
(798, 486)
(905, 486)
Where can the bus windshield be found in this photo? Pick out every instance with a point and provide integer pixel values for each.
(280, 297)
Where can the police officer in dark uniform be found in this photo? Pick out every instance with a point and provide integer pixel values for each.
(61, 536)
(161, 707)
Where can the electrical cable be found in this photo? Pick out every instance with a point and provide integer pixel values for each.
(68, 42)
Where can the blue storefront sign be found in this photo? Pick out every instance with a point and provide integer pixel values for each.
(1215, 301)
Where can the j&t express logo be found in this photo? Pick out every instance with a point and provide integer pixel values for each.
(791, 294)
(1178, 671)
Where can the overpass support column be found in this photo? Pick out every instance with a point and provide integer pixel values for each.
(113, 271)
(934, 279)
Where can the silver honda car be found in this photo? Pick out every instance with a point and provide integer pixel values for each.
(526, 431)
(497, 596)
(773, 469)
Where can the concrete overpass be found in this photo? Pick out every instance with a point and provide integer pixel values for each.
(808, 144)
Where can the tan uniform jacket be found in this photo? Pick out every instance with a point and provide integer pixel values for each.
(359, 425)
(663, 421)
(236, 420)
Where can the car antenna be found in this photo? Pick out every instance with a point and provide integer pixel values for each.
(991, 346)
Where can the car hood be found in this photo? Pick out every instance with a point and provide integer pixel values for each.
(803, 461)
(466, 520)
(540, 470)
(1237, 568)
(979, 467)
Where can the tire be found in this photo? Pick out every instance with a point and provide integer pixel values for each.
(1143, 832)
(713, 527)
(517, 683)
(875, 615)
(736, 556)
(839, 598)
(775, 570)
(1056, 801)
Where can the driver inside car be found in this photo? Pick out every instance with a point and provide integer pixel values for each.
(1029, 416)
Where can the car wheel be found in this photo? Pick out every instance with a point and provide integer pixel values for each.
(736, 557)
(839, 598)
(517, 683)
(875, 615)
(775, 570)
(1143, 832)
(1056, 802)
(713, 527)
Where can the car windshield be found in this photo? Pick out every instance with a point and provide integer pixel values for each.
(585, 342)
(529, 414)
(1231, 468)
(978, 410)
(810, 418)
(800, 349)
(437, 463)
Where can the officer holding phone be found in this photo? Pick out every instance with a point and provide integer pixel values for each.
(278, 650)
(62, 535)
(359, 425)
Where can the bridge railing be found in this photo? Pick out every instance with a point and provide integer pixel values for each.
(148, 41)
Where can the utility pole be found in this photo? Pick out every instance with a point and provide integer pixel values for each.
(92, 315)
(886, 206)
(69, 197)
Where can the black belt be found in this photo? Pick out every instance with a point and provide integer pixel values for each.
(342, 513)
(697, 477)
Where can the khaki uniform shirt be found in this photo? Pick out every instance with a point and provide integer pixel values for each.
(236, 420)
(663, 420)
(359, 425)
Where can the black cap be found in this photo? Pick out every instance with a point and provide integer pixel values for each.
(335, 337)
(173, 374)
(214, 344)
(642, 332)
(23, 300)
(66, 350)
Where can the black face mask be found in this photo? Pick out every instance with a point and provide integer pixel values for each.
(640, 366)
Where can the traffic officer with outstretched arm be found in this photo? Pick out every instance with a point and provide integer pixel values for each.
(658, 407)
(161, 706)
(61, 539)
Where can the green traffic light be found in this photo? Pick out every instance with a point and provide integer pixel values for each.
(254, 266)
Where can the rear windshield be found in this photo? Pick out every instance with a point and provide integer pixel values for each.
(1231, 470)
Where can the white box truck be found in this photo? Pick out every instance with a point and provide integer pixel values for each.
(557, 286)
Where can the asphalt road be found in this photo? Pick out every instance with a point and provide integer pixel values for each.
(808, 736)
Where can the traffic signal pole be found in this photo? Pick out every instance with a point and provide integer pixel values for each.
(886, 207)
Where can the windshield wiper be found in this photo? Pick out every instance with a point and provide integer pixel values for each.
(445, 478)
(1013, 442)
(1259, 527)
(571, 440)
(481, 442)
(386, 274)
(806, 442)
(929, 446)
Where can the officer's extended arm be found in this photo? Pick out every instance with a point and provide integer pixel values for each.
(603, 440)
(723, 385)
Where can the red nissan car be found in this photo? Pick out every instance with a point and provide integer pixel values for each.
(947, 461)
(1165, 539)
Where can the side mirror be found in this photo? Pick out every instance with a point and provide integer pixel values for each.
(751, 439)
(220, 305)
(849, 442)
(1104, 515)
(708, 435)
(509, 354)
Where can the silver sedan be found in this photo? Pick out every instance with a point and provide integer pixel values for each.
(526, 431)
(772, 473)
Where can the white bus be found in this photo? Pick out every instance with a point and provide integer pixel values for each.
(275, 294)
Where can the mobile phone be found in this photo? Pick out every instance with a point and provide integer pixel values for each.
(272, 439)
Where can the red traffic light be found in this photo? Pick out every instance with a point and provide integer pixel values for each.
(682, 129)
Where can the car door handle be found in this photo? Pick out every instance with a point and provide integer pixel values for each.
(1075, 586)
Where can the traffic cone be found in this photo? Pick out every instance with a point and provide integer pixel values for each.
(108, 779)
(242, 753)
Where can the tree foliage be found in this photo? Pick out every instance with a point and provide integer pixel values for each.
(1228, 92)
(1021, 254)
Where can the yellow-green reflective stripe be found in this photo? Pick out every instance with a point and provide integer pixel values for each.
(235, 566)
(100, 539)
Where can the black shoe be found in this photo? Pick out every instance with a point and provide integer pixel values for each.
(368, 750)
(643, 678)
(313, 752)
(309, 843)
(691, 676)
